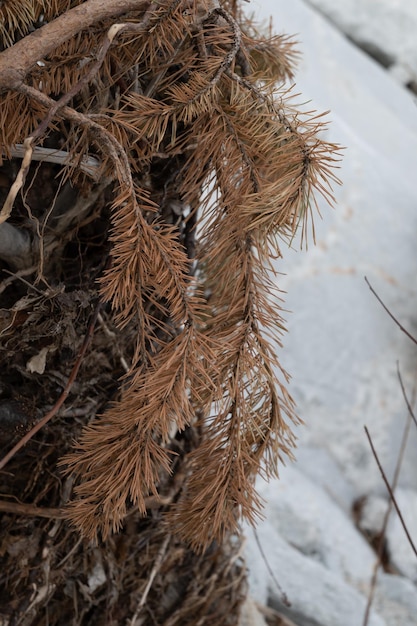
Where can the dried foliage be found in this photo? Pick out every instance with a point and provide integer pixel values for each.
(186, 169)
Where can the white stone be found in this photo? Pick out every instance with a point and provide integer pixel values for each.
(401, 554)
(249, 614)
(316, 463)
(308, 519)
(342, 348)
(97, 577)
(384, 27)
(396, 600)
(318, 596)
(372, 514)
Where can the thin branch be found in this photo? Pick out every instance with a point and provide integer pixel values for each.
(87, 340)
(284, 597)
(410, 410)
(274, 617)
(155, 569)
(400, 326)
(110, 144)
(89, 165)
(19, 182)
(388, 486)
(386, 517)
(231, 55)
(15, 276)
(17, 61)
(57, 105)
(30, 510)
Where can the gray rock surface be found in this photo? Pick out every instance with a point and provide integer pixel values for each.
(372, 514)
(396, 600)
(318, 597)
(317, 463)
(309, 520)
(342, 348)
(402, 555)
(386, 29)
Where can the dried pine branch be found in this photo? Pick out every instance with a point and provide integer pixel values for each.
(178, 103)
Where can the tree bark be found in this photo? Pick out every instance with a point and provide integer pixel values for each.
(17, 61)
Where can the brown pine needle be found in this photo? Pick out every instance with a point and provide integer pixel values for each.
(177, 103)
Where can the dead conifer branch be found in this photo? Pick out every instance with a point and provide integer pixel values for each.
(175, 102)
(111, 147)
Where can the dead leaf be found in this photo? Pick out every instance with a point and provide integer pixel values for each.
(36, 365)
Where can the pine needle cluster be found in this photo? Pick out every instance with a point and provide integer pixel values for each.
(185, 109)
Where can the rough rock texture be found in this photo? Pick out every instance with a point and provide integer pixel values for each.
(342, 348)
(385, 29)
(318, 596)
(398, 546)
(309, 520)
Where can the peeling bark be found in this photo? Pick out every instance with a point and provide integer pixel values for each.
(17, 61)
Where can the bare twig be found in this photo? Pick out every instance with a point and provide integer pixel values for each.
(155, 569)
(276, 618)
(284, 597)
(89, 165)
(410, 410)
(112, 335)
(237, 38)
(30, 509)
(388, 486)
(409, 335)
(15, 276)
(63, 396)
(19, 182)
(57, 105)
(387, 515)
(17, 61)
